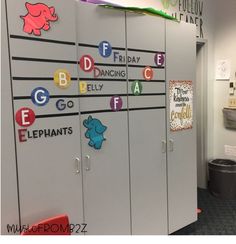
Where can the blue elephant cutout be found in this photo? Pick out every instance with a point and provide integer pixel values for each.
(95, 131)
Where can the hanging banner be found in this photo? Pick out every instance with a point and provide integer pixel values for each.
(181, 105)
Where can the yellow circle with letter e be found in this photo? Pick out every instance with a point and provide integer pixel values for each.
(62, 78)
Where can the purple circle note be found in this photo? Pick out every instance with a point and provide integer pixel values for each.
(116, 103)
(159, 59)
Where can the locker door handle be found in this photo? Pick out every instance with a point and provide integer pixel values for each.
(163, 146)
(77, 166)
(87, 163)
(171, 148)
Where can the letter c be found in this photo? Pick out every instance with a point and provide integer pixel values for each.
(148, 73)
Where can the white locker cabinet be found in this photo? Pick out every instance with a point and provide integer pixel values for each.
(97, 143)
(147, 125)
(105, 171)
(48, 182)
(181, 158)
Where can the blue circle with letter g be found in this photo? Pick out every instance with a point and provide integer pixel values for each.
(105, 49)
(40, 96)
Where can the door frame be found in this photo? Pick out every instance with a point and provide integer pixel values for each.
(202, 118)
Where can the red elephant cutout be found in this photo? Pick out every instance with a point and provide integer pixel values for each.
(38, 18)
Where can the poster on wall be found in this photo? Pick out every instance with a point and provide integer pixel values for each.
(181, 105)
(223, 69)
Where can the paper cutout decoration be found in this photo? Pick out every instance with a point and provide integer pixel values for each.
(105, 49)
(159, 59)
(136, 88)
(100, 2)
(116, 103)
(40, 96)
(62, 78)
(38, 17)
(62, 104)
(25, 117)
(86, 63)
(148, 73)
(149, 11)
(95, 131)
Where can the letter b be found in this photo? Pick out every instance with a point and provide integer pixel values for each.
(62, 78)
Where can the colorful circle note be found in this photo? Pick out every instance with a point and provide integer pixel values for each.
(159, 59)
(105, 49)
(86, 63)
(116, 103)
(136, 88)
(40, 96)
(148, 73)
(25, 117)
(62, 78)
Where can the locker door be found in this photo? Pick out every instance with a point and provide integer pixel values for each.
(46, 112)
(182, 182)
(105, 162)
(147, 129)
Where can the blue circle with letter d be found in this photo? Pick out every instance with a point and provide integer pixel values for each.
(40, 96)
(105, 49)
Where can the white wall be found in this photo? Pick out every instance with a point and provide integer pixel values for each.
(225, 48)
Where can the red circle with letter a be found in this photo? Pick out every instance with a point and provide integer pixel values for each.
(86, 63)
(148, 73)
(25, 117)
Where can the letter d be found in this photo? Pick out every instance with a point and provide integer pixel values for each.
(96, 72)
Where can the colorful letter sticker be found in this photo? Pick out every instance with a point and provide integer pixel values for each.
(95, 131)
(38, 18)
(159, 59)
(62, 78)
(105, 49)
(86, 63)
(116, 103)
(22, 135)
(83, 87)
(25, 117)
(148, 73)
(61, 104)
(40, 96)
(136, 88)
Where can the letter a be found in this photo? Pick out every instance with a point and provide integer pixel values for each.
(136, 88)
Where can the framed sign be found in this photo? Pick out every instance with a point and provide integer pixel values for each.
(181, 105)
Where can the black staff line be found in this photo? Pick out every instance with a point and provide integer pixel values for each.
(42, 40)
(92, 95)
(96, 111)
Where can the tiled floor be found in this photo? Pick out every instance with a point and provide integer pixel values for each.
(218, 217)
